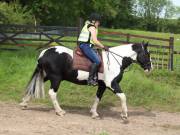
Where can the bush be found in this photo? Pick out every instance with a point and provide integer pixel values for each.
(14, 13)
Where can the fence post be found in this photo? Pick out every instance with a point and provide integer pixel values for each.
(128, 38)
(80, 25)
(171, 54)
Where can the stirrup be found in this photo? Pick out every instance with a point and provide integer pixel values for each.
(92, 82)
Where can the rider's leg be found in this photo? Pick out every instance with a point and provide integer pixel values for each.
(92, 74)
(92, 55)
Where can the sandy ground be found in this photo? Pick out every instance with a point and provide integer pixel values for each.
(41, 120)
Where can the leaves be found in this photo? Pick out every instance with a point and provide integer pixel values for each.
(13, 13)
(153, 12)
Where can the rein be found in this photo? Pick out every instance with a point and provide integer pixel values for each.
(113, 53)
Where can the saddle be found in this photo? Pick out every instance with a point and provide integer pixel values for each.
(81, 62)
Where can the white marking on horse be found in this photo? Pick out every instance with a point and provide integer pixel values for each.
(61, 49)
(142, 47)
(94, 108)
(112, 69)
(122, 97)
(42, 53)
(82, 75)
(53, 96)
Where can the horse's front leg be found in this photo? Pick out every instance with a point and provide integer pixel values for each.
(99, 94)
(122, 96)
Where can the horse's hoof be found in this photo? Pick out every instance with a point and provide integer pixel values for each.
(125, 119)
(23, 105)
(60, 113)
(95, 116)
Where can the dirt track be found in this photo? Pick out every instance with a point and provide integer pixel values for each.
(41, 120)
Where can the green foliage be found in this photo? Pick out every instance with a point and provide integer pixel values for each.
(133, 14)
(155, 13)
(107, 8)
(14, 13)
(172, 26)
(61, 12)
(151, 15)
(103, 133)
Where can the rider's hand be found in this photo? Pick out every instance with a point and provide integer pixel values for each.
(106, 48)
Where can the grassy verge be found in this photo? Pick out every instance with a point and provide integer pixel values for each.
(159, 90)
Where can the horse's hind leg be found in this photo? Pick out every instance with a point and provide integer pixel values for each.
(55, 82)
(28, 96)
(25, 101)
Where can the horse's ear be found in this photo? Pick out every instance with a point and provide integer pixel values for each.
(137, 48)
(146, 45)
(143, 42)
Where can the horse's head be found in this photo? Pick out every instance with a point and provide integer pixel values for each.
(143, 56)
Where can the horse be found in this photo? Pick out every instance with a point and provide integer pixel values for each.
(56, 64)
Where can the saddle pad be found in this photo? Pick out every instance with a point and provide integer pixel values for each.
(80, 62)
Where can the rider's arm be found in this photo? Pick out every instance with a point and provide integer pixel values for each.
(94, 37)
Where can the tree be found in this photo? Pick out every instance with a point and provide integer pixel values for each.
(124, 17)
(14, 13)
(55, 12)
(153, 11)
(67, 12)
(177, 12)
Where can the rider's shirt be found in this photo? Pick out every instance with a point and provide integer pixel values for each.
(85, 35)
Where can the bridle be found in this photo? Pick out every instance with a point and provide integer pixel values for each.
(133, 61)
(113, 53)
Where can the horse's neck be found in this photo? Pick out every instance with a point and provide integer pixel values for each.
(119, 56)
(124, 51)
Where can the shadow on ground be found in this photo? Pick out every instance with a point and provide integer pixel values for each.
(113, 112)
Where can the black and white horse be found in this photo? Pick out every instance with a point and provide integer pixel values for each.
(55, 64)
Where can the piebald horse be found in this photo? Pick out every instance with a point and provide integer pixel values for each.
(55, 64)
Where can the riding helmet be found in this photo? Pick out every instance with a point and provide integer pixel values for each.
(95, 17)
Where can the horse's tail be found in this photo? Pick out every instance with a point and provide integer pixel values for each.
(35, 87)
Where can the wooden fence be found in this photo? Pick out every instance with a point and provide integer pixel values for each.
(43, 36)
(40, 36)
(162, 55)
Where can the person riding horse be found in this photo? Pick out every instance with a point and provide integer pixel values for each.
(87, 40)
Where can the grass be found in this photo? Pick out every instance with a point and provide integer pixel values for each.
(103, 133)
(159, 90)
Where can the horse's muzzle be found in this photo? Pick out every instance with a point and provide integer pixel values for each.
(146, 71)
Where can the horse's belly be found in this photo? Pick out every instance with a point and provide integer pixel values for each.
(83, 75)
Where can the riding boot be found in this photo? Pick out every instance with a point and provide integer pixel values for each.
(92, 73)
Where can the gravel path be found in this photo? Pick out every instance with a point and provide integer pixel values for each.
(41, 120)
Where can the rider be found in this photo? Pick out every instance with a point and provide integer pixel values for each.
(87, 40)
